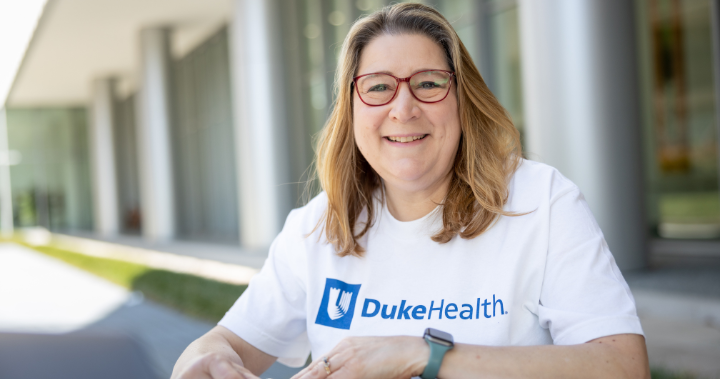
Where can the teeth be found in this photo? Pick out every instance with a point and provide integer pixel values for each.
(405, 139)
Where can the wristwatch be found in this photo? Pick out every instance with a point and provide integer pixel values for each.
(439, 342)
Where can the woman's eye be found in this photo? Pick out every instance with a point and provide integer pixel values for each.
(427, 85)
(378, 88)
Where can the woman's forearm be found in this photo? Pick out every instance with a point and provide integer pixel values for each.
(619, 356)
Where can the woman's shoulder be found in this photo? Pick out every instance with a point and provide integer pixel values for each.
(305, 219)
(532, 177)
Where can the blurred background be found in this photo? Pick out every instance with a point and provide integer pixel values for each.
(151, 150)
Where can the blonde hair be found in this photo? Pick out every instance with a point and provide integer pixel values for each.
(488, 155)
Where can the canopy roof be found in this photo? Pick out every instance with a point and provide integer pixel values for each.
(79, 40)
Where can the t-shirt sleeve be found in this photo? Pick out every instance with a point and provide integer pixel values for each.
(584, 295)
(270, 314)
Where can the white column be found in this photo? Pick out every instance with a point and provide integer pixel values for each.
(153, 134)
(582, 109)
(102, 159)
(6, 210)
(258, 109)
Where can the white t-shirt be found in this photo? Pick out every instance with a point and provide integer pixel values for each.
(542, 278)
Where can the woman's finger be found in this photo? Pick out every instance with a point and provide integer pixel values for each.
(315, 370)
(224, 370)
(311, 367)
(194, 372)
(342, 373)
(305, 370)
(209, 366)
(246, 373)
(336, 362)
(229, 370)
(311, 371)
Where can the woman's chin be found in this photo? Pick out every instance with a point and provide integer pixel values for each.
(409, 181)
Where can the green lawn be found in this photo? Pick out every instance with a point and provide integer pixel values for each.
(690, 207)
(658, 373)
(199, 297)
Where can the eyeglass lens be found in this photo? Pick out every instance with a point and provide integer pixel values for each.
(427, 86)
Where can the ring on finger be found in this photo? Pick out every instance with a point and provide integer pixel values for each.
(327, 365)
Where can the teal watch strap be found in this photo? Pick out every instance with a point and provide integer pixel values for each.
(437, 353)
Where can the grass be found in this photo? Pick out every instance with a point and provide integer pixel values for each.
(691, 207)
(660, 373)
(199, 297)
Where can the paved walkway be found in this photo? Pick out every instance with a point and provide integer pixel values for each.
(199, 265)
(679, 309)
(39, 294)
(230, 253)
(680, 312)
(682, 331)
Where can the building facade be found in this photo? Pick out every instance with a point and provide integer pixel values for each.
(195, 120)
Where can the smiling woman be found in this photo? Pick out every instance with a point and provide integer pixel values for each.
(360, 135)
(430, 220)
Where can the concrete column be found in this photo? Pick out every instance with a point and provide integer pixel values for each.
(102, 158)
(153, 134)
(582, 109)
(259, 117)
(6, 206)
(483, 13)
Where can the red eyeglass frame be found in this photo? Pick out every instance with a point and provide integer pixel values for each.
(400, 80)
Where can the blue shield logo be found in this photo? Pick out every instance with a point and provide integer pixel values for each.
(338, 304)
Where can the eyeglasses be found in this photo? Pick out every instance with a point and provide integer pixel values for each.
(430, 86)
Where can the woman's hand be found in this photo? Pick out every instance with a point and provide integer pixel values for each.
(371, 357)
(221, 354)
(215, 366)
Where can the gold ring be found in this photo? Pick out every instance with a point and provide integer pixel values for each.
(327, 365)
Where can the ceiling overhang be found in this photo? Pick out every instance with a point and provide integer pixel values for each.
(77, 41)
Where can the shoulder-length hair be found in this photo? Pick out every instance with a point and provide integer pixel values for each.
(488, 155)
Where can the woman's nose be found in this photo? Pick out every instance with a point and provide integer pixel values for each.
(404, 106)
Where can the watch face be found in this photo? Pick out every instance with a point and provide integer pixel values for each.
(439, 334)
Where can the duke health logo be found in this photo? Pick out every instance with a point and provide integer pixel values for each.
(338, 304)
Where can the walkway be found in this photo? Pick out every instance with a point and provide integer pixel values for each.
(39, 294)
(680, 312)
(219, 252)
(203, 263)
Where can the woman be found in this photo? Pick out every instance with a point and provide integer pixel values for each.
(429, 218)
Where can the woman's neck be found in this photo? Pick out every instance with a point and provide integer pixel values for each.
(407, 205)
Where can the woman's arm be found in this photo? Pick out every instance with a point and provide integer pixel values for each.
(220, 353)
(618, 356)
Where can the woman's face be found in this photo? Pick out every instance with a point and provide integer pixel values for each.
(423, 163)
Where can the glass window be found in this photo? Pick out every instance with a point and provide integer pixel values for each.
(203, 156)
(680, 133)
(51, 178)
(504, 30)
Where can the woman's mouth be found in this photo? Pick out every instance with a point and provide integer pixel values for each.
(405, 139)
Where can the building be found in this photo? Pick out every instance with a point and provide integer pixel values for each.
(193, 120)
